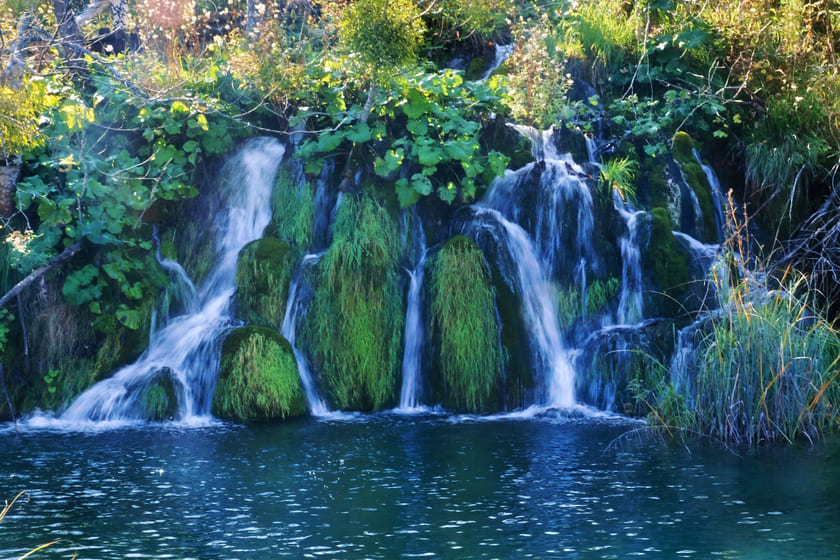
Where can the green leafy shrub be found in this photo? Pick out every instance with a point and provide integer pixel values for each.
(258, 377)
(383, 34)
(465, 329)
(423, 137)
(354, 326)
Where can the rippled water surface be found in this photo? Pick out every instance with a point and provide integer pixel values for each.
(390, 486)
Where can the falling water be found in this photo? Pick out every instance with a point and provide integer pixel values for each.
(294, 305)
(413, 338)
(630, 307)
(538, 304)
(502, 52)
(717, 195)
(187, 349)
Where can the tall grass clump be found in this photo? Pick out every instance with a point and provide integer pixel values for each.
(354, 325)
(465, 328)
(292, 209)
(765, 366)
(608, 30)
(258, 377)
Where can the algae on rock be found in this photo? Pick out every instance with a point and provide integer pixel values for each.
(258, 377)
(354, 326)
(465, 328)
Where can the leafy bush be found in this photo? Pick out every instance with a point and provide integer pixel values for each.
(424, 137)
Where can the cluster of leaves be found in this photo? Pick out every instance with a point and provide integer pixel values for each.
(113, 162)
(423, 135)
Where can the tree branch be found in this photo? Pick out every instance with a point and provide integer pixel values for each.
(57, 260)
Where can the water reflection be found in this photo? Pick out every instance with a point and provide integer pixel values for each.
(389, 486)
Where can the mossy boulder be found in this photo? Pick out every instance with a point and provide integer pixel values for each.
(468, 360)
(159, 397)
(258, 377)
(263, 276)
(666, 265)
(353, 328)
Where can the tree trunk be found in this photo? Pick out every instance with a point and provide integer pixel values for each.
(70, 40)
(9, 171)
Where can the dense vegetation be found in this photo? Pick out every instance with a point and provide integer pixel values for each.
(103, 154)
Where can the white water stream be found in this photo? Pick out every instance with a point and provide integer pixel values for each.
(187, 349)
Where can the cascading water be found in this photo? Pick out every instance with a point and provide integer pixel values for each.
(186, 351)
(413, 339)
(717, 194)
(541, 217)
(630, 303)
(294, 305)
(538, 305)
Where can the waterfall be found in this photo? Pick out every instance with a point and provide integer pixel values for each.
(295, 304)
(538, 304)
(502, 52)
(717, 195)
(630, 306)
(412, 364)
(186, 351)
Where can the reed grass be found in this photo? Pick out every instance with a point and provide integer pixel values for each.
(465, 327)
(5, 511)
(354, 326)
(765, 368)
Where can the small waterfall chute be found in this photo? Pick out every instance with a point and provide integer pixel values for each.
(412, 364)
(294, 305)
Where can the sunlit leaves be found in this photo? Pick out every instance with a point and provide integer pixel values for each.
(433, 121)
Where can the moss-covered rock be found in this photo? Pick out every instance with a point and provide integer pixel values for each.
(465, 329)
(666, 266)
(263, 276)
(354, 325)
(159, 397)
(695, 178)
(258, 377)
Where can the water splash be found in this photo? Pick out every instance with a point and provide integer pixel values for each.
(186, 351)
(294, 305)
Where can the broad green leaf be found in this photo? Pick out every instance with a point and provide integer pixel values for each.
(421, 184)
(406, 193)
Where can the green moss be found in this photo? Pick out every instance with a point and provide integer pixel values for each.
(353, 328)
(292, 209)
(159, 398)
(263, 276)
(258, 377)
(600, 292)
(465, 328)
(696, 179)
(666, 263)
(569, 308)
(656, 185)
